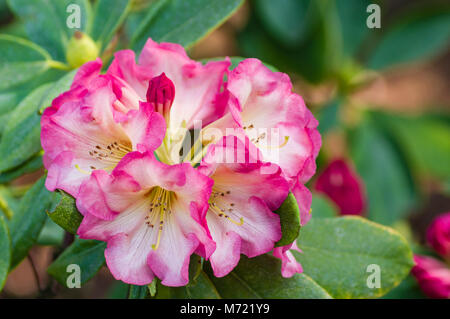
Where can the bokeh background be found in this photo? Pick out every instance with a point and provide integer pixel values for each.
(382, 97)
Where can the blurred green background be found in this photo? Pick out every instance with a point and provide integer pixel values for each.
(381, 95)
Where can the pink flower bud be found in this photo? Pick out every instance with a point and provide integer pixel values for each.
(161, 93)
(343, 186)
(433, 277)
(438, 235)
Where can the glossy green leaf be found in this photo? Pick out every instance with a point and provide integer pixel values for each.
(260, 277)
(11, 97)
(420, 35)
(408, 289)
(322, 207)
(138, 21)
(108, 18)
(56, 88)
(46, 22)
(336, 253)
(5, 252)
(26, 224)
(20, 61)
(8, 203)
(185, 22)
(201, 288)
(87, 254)
(21, 138)
(51, 234)
(65, 213)
(137, 292)
(30, 166)
(386, 179)
(290, 220)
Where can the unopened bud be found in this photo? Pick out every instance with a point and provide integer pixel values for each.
(160, 94)
(81, 49)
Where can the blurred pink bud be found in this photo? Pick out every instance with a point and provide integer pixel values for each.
(438, 235)
(433, 277)
(343, 186)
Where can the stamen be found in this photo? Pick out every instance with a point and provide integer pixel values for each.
(240, 223)
(160, 205)
(286, 139)
(221, 212)
(82, 170)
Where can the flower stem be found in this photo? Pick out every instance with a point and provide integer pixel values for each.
(58, 65)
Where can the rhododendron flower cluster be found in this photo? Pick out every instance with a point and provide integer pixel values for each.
(168, 157)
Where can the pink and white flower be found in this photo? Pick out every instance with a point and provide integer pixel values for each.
(90, 127)
(151, 215)
(198, 89)
(240, 217)
(263, 106)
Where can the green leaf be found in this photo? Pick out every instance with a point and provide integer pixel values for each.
(426, 141)
(184, 22)
(46, 22)
(8, 204)
(286, 20)
(107, 19)
(58, 87)
(87, 254)
(322, 207)
(26, 224)
(420, 35)
(11, 97)
(387, 182)
(137, 20)
(51, 234)
(337, 251)
(66, 213)
(260, 277)
(137, 292)
(290, 220)
(21, 138)
(352, 24)
(5, 252)
(20, 61)
(30, 166)
(408, 289)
